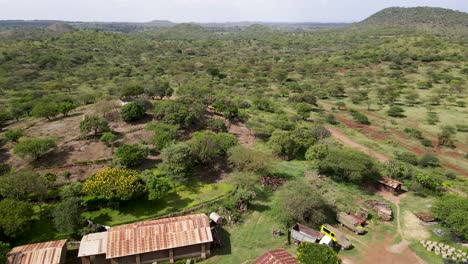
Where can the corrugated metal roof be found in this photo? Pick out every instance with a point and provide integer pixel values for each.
(93, 244)
(149, 236)
(44, 253)
(277, 256)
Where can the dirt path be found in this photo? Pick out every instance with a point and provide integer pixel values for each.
(346, 140)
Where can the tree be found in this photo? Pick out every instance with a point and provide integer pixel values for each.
(67, 215)
(177, 161)
(94, 124)
(395, 111)
(245, 159)
(291, 143)
(432, 118)
(21, 185)
(208, 147)
(298, 202)
(445, 137)
(33, 147)
(303, 110)
(313, 253)
(164, 134)
(132, 112)
(130, 155)
(428, 160)
(157, 184)
(114, 184)
(316, 153)
(4, 249)
(16, 216)
(45, 109)
(216, 125)
(71, 190)
(175, 113)
(65, 107)
(452, 211)
(160, 88)
(14, 135)
(109, 139)
(348, 165)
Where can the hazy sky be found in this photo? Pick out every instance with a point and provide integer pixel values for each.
(208, 10)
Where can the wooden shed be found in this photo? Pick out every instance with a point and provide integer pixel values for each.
(153, 241)
(390, 184)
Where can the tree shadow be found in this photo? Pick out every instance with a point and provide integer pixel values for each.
(101, 219)
(57, 157)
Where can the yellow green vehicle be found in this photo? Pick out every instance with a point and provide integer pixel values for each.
(352, 222)
(336, 236)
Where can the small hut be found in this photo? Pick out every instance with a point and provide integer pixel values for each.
(390, 184)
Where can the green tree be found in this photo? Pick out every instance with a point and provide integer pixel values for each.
(71, 190)
(245, 159)
(428, 160)
(33, 147)
(303, 110)
(22, 185)
(452, 211)
(312, 253)
(4, 249)
(157, 184)
(208, 147)
(316, 153)
(114, 184)
(359, 118)
(216, 125)
(177, 161)
(65, 107)
(16, 216)
(14, 135)
(132, 112)
(160, 88)
(67, 215)
(48, 110)
(432, 118)
(130, 155)
(297, 202)
(445, 137)
(164, 134)
(348, 165)
(175, 113)
(94, 124)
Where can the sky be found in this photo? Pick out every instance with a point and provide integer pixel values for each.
(209, 10)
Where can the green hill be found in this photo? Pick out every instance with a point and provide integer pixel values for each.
(418, 16)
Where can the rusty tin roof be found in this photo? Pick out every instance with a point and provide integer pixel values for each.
(47, 253)
(390, 182)
(155, 235)
(277, 256)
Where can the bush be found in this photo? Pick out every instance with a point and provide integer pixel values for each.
(114, 184)
(330, 118)
(407, 157)
(4, 249)
(71, 190)
(216, 125)
(429, 182)
(4, 169)
(452, 211)
(67, 215)
(432, 118)
(33, 147)
(445, 137)
(348, 165)
(157, 184)
(208, 147)
(15, 218)
(293, 144)
(132, 112)
(65, 107)
(130, 155)
(428, 160)
(395, 111)
(426, 142)
(359, 118)
(312, 253)
(14, 135)
(412, 132)
(48, 110)
(177, 113)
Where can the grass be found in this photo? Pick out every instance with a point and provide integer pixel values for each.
(137, 210)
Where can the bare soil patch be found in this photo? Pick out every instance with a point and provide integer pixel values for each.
(414, 230)
(245, 136)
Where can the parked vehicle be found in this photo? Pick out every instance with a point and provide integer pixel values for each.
(336, 236)
(352, 222)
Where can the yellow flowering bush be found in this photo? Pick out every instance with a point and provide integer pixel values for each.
(114, 184)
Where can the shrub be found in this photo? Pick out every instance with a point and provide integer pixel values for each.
(45, 109)
(157, 184)
(176, 113)
(462, 128)
(4, 249)
(208, 147)
(67, 215)
(412, 132)
(14, 135)
(114, 184)
(4, 169)
(312, 253)
(432, 118)
(330, 118)
(245, 159)
(407, 157)
(317, 153)
(426, 142)
(395, 111)
(15, 218)
(428, 160)
(132, 112)
(177, 161)
(303, 110)
(445, 137)
(293, 144)
(429, 182)
(451, 210)
(71, 190)
(359, 118)
(461, 103)
(348, 165)
(65, 107)
(216, 125)
(130, 155)
(33, 147)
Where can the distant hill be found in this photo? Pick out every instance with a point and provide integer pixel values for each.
(418, 16)
(60, 28)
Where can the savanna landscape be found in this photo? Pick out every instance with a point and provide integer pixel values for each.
(268, 125)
